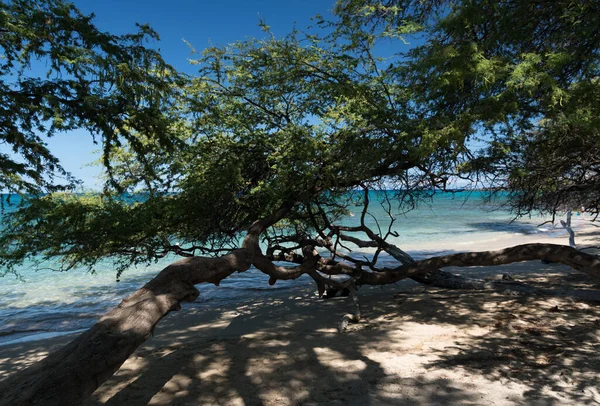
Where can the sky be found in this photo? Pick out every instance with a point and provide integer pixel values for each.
(199, 22)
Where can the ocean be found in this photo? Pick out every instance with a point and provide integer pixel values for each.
(45, 303)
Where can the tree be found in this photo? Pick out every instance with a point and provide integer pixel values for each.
(59, 73)
(527, 86)
(278, 137)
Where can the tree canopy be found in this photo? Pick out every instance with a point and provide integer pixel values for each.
(298, 121)
(521, 75)
(265, 124)
(59, 73)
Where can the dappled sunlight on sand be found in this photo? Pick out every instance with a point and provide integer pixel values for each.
(415, 345)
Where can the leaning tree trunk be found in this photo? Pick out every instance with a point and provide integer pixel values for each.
(71, 374)
(434, 277)
(581, 261)
(442, 279)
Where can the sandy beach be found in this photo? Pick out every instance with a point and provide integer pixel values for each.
(415, 345)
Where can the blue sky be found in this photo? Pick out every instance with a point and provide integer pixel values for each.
(198, 22)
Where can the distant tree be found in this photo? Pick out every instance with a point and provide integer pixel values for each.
(275, 140)
(59, 72)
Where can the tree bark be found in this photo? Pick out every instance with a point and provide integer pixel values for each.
(71, 374)
(586, 263)
(434, 277)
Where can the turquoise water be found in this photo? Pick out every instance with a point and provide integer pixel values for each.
(46, 302)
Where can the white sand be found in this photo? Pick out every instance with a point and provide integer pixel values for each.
(417, 345)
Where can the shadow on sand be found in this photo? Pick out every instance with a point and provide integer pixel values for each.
(417, 345)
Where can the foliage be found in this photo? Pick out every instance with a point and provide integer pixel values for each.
(522, 75)
(59, 73)
(283, 128)
(266, 123)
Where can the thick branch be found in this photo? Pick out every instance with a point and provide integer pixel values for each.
(71, 374)
(589, 264)
(251, 241)
(275, 272)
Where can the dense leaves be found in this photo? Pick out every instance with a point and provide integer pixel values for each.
(521, 75)
(59, 72)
